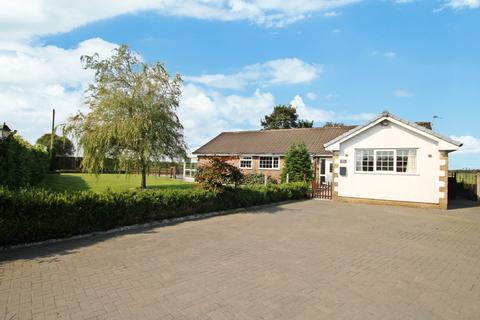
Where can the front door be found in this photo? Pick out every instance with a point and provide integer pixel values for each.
(325, 170)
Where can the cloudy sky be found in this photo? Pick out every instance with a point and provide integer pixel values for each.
(335, 60)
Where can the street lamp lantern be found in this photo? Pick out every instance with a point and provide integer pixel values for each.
(5, 131)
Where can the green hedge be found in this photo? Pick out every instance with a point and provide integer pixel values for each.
(21, 164)
(28, 215)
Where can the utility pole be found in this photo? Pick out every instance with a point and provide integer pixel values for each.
(53, 132)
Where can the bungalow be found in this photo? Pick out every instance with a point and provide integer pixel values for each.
(387, 160)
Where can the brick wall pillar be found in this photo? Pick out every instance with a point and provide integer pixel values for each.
(478, 186)
(336, 166)
(443, 178)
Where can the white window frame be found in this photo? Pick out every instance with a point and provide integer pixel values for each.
(407, 167)
(394, 158)
(395, 152)
(273, 163)
(246, 158)
(356, 158)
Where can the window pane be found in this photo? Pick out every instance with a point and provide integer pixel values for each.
(246, 162)
(384, 161)
(364, 160)
(269, 163)
(266, 162)
(407, 160)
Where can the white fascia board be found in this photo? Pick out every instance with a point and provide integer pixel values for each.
(443, 144)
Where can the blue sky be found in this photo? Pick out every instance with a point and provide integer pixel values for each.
(335, 60)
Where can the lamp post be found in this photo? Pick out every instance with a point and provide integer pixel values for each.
(6, 131)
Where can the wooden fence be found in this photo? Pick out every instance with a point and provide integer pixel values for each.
(464, 184)
(322, 190)
(74, 164)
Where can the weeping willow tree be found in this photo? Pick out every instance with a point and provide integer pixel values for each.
(132, 117)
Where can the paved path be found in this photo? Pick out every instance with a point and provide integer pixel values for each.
(304, 260)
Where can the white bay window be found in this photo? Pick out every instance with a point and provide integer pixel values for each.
(386, 161)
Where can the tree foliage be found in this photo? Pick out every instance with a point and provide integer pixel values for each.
(132, 116)
(284, 117)
(217, 174)
(297, 164)
(62, 145)
(330, 124)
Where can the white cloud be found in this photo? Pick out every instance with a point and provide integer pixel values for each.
(331, 14)
(403, 94)
(280, 71)
(386, 54)
(463, 4)
(471, 145)
(312, 96)
(330, 96)
(205, 113)
(26, 18)
(33, 80)
(319, 115)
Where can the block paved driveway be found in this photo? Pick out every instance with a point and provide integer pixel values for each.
(303, 260)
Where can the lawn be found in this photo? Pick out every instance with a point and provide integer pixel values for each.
(114, 182)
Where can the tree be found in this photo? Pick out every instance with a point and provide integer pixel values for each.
(62, 145)
(216, 174)
(330, 124)
(305, 123)
(284, 117)
(297, 165)
(132, 116)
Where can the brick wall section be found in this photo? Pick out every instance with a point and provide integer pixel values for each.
(443, 178)
(235, 160)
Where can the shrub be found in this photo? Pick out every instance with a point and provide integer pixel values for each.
(21, 164)
(258, 178)
(217, 174)
(298, 165)
(28, 215)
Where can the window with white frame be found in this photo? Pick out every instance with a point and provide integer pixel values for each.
(399, 160)
(246, 162)
(407, 160)
(364, 160)
(268, 162)
(384, 160)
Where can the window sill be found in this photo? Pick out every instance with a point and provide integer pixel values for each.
(276, 169)
(389, 173)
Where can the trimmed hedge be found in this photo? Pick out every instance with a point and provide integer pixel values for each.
(28, 215)
(21, 164)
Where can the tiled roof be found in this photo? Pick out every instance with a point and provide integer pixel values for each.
(271, 141)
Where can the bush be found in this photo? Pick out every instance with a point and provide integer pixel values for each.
(21, 164)
(298, 165)
(218, 174)
(28, 215)
(258, 178)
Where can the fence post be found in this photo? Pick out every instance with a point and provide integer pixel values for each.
(478, 186)
(288, 177)
(265, 178)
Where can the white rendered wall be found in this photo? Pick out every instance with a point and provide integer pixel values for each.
(422, 186)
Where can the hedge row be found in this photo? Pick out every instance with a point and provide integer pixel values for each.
(21, 164)
(29, 215)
